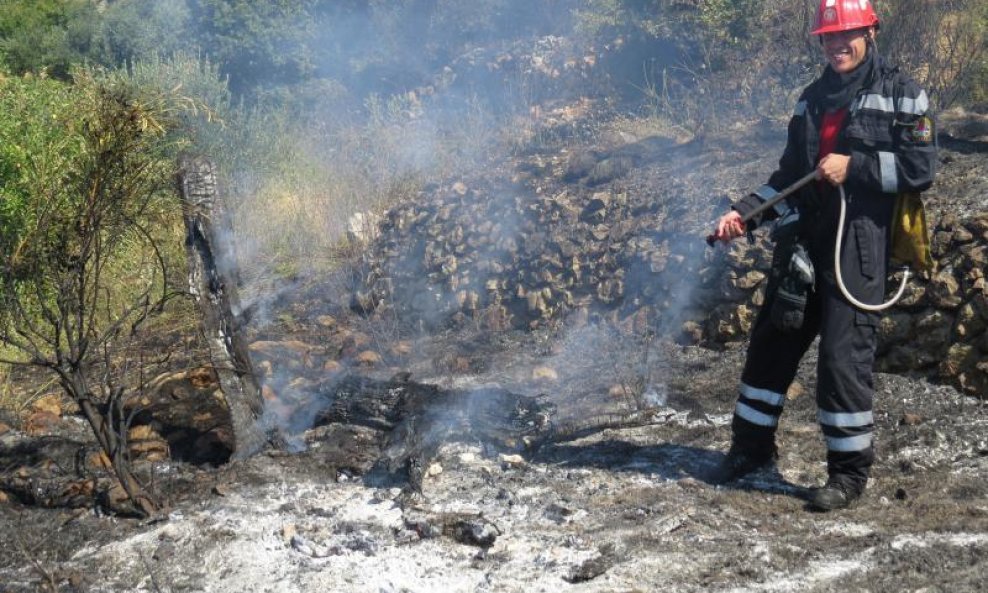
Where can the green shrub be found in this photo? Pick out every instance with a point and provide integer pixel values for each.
(56, 144)
(36, 145)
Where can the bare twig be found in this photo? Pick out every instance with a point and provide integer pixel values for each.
(31, 556)
(147, 566)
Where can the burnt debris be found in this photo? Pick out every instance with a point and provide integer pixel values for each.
(415, 419)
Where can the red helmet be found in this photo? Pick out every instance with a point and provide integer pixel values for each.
(844, 15)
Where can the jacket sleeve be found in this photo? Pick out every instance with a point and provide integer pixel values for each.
(907, 163)
(785, 175)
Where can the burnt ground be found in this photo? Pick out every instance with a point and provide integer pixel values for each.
(618, 510)
(621, 509)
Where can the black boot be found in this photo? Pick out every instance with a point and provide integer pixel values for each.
(836, 494)
(741, 461)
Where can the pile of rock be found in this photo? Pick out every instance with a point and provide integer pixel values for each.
(509, 258)
(941, 323)
(515, 256)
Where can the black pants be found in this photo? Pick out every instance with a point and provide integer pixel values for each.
(845, 386)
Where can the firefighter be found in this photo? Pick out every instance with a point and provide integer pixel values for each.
(863, 126)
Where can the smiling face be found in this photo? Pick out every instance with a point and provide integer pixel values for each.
(845, 50)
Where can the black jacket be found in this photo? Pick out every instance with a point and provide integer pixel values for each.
(890, 139)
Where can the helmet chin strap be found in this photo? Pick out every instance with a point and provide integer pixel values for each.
(873, 45)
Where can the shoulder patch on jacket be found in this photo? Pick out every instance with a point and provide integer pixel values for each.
(923, 130)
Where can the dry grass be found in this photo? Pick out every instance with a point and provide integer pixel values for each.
(8, 401)
(18, 393)
(291, 212)
(626, 129)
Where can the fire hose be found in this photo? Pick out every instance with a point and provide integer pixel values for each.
(771, 202)
(837, 273)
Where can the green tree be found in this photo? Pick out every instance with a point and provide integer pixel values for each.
(134, 30)
(256, 43)
(33, 14)
(55, 35)
(40, 35)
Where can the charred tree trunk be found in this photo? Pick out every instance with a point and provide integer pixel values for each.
(212, 281)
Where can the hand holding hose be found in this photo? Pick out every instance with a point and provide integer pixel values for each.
(732, 224)
(833, 168)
